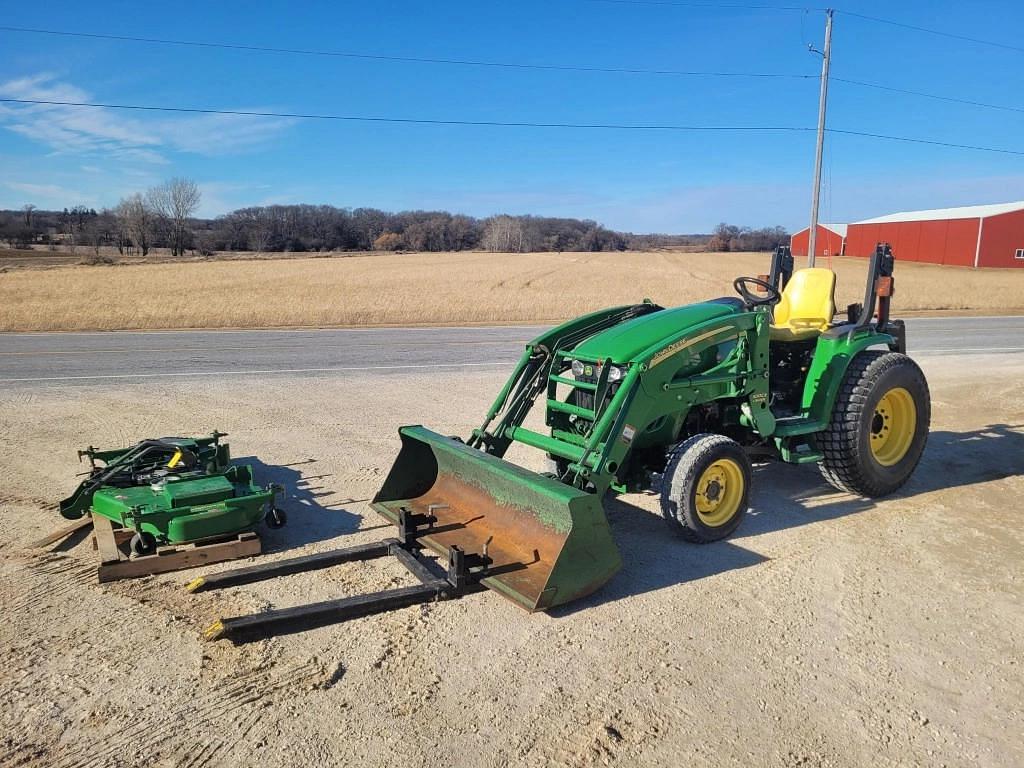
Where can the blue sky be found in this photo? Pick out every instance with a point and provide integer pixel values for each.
(633, 180)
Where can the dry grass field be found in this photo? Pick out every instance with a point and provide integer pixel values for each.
(432, 288)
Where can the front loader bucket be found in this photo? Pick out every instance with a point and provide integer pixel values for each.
(549, 542)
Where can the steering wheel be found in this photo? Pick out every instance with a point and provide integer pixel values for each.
(771, 295)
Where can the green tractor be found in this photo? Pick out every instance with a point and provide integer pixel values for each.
(640, 397)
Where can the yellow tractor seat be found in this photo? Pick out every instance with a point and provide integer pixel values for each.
(806, 307)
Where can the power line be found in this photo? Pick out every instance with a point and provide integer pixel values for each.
(502, 64)
(936, 96)
(764, 7)
(415, 120)
(403, 59)
(712, 6)
(933, 142)
(940, 33)
(509, 124)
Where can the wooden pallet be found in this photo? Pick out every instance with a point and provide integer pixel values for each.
(63, 532)
(117, 563)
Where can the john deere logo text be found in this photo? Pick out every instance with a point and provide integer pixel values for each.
(682, 344)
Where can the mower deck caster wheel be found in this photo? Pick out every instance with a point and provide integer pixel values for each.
(143, 543)
(276, 518)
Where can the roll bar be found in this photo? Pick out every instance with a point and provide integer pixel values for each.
(782, 268)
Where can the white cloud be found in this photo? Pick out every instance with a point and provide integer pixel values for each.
(50, 194)
(120, 134)
(221, 134)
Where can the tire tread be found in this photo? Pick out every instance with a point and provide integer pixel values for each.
(680, 474)
(843, 465)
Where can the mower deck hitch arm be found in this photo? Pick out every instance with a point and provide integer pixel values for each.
(462, 577)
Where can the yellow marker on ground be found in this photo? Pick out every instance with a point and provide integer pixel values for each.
(214, 631)
(195, 584)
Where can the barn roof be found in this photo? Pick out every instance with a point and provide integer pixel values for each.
(839, 229)
(939, 214)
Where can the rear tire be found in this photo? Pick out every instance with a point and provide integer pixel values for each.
(706, 488)
(879, 425)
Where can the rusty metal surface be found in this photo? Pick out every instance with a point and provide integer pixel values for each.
(523, 551)
(549, 543)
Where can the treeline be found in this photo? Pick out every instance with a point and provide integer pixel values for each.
(163, 218)
(300, 228)
(729, 237)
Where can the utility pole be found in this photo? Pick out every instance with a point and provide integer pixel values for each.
(826, 58)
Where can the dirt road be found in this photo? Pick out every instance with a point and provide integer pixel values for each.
(828, 632)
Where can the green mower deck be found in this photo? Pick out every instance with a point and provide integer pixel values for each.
(172, 491)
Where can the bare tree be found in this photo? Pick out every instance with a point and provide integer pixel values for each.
(504, 234)
(136, 219)
(175, 201)
(28, 208)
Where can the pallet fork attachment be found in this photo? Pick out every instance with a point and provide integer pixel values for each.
(463, 574)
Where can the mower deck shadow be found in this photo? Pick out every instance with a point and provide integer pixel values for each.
(311, 517)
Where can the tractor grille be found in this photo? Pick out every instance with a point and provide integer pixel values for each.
(585, 399)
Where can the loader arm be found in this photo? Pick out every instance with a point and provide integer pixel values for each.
(544, 356)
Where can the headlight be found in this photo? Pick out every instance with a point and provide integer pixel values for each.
(577, 368)
(615, 374)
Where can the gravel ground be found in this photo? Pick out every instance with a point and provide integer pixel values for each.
(828, 632)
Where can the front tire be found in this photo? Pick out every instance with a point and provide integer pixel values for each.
(879, 425)
(706, 488)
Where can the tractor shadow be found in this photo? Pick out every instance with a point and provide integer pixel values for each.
(315, 512)
(788, 496)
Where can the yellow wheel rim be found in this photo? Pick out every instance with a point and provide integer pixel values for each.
(893, 426)
(719, 492)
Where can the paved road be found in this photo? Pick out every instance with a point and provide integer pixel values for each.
(89, 358)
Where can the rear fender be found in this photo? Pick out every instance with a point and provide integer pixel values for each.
(832, 356)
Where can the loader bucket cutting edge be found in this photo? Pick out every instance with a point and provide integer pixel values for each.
(549, 542)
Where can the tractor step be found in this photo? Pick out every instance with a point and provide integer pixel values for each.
(798, 450)
(462, 577)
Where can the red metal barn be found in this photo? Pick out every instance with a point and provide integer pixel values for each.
(971, 236)
(829, 240)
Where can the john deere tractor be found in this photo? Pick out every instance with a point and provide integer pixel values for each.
(644, 397)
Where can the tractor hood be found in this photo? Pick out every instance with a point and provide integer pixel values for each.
(623, 342)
